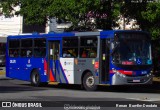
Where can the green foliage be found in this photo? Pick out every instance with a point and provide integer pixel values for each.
(147, 14)
(39, 11)
(7, 6)
(152, 16)
(152, 12)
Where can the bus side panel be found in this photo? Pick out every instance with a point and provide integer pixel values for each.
(86, 64)
(21, 68)
(71, 69)
(14, 70)
(66, 68)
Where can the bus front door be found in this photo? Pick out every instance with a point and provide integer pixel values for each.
(104, 59)
(53, 61)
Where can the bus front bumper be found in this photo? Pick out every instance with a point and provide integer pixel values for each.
(130, 80)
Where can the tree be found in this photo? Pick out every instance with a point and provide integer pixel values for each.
(152, 16)
(146, 13)
(76, 11)
(80, 12)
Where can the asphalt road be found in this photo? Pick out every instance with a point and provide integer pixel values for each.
(15, 90)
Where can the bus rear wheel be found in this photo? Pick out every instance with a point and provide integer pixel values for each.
(89, 82)
(35, 78)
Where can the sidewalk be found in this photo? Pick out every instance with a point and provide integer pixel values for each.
(2, 70)
(2, 73)
(156, 79)
(2, 76)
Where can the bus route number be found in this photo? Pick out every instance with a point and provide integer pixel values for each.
(12, 61)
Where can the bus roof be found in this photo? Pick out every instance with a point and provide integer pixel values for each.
(104, 34)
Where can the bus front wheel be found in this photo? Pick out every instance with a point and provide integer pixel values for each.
(89, 82)
(35, 78)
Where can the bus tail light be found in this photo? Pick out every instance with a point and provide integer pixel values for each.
(96, 65)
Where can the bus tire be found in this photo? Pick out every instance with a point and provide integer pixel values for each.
(35, 78)
(89, 82)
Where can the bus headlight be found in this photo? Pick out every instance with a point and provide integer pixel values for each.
(122, 75)
(150, 74)
(118, 73)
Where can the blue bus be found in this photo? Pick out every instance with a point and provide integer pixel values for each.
(117, 57)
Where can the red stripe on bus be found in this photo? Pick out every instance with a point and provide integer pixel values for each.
(122, 72)
(51, 78)
(45, 65)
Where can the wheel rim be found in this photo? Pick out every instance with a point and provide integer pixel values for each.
(90, 81)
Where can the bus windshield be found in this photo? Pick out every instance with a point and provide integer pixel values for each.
(132, 49)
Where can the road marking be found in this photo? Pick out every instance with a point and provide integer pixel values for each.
(145, 99)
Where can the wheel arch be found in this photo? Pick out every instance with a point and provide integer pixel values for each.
(34, 69)
(83, 74)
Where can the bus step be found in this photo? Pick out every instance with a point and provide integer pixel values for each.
(53, 83)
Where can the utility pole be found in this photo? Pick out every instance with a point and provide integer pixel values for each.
(124, 25)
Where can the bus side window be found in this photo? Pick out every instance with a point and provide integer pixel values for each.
(26, 47)
(14, 46)
(70, 47)
(11, 53)
(88, 47)
(39, 47)
(15, 53)
(29, 53)
(84, 55)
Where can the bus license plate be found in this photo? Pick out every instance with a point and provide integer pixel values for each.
(136, 80)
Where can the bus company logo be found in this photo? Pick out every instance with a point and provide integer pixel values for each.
(29, 61)
(68, 63)
(12, 61)
(28, 65)
(6, 104)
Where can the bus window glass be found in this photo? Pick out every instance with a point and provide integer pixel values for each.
(133, 49)
(14, 44)
(14, 48)
(70, 47)
(26, 47)
(13, 52)
(26, 43)
(39, 47)
(88, 47)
